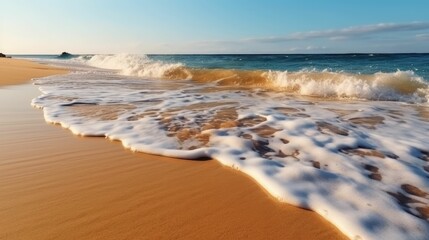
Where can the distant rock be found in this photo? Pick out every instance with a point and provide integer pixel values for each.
(65, 55)
(4, 56)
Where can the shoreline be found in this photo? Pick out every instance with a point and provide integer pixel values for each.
(93, 188)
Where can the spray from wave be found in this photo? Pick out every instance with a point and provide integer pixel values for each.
(132, 65)
(394, 86)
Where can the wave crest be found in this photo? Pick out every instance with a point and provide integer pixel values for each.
(394, 86)
(133, 65)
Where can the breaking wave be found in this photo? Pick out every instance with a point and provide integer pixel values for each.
(132, 65)
(392, 86)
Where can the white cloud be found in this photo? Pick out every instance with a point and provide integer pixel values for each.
(343, 33)
(331, 34)
(423, 36)
(307, 48)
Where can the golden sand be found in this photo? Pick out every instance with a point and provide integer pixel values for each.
(16, 71)
(54, 185)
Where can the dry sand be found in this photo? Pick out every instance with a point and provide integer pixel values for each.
(17, 71)
(54, 185)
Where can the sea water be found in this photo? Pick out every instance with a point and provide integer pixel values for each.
(343, 135)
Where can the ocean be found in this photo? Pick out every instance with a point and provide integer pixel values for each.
(345, 135)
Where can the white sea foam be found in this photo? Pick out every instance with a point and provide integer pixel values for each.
(322, 155)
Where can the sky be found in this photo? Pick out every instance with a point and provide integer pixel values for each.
(213, 26)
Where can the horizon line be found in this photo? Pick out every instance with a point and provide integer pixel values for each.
(331, 53)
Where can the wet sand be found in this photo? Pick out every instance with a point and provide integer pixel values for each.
(54, 185)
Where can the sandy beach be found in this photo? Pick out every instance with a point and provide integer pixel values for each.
(54, 185)
(17, 71)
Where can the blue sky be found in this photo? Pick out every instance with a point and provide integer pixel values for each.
(215, 26)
